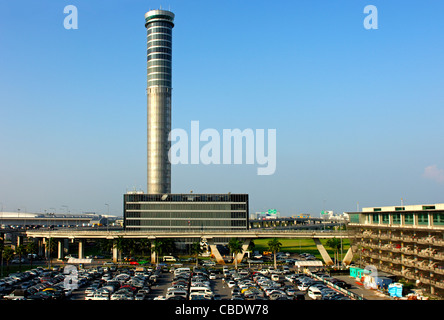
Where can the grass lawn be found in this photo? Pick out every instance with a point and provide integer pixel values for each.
(300, 246)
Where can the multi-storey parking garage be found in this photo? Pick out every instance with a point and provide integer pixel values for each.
(407, 241)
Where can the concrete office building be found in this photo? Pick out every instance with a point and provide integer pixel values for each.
(159, 25)
(406, 241)
(185, 212)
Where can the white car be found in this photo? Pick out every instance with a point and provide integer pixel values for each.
(303, 286)
(231, 284)
(212, 276)
(97, 296)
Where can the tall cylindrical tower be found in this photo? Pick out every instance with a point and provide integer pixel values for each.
(159, 25)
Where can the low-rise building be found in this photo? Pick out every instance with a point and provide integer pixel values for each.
(407, 241)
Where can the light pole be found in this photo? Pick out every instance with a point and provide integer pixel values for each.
(107, 224)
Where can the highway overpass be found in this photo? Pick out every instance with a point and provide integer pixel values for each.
(211, 237)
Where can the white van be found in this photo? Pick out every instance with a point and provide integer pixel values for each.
(203, 290)
(176, 293)
(169, 258)
(180, 270)
(314, 293)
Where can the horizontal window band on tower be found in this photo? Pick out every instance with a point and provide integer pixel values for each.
(159, 30)
(163, 56)
(159, 36)
(159, 24)
(159, 50)
(160, 83)
(156, 69)
(159, 63)
(158, 16)
(159, 76)
(159, 43)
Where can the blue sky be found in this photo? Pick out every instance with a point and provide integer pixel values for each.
(358, 113)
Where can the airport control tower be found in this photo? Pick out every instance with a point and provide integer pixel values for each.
(159, 25)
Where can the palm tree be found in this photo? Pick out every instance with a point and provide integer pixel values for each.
(335, 244)
(159, 247)
(31, 248)
(51, 248)
(121, 244)
(196, 249)
(8, 254)
(235, 247)
(275, 246)
(143, 244)
(20, 250)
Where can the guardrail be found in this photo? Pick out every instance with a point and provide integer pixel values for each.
(185, 233)
(349, 294)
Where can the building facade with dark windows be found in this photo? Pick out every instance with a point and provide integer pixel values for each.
(159, 25)
(185, 212)
(406, 241)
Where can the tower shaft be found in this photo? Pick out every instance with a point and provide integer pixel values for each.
(159, 25)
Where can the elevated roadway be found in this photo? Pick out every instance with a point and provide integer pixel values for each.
(209, 235)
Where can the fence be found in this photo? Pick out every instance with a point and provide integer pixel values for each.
(349, 294)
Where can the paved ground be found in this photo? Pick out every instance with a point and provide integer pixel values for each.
(360, 290)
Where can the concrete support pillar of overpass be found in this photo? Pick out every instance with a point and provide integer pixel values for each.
(245, 246)
(153, 253)
(46, 244)
(215, 251)
(40, 247)
(348, 256)
(65, 246)
(81, 249)
(323, 252)
(60, 249)
(115, 253)
(19, 241)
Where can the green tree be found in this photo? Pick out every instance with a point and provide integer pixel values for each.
(51, 248)
(235, 247)
(121, 244)
(158, 247)
(196, 249)
(143, 246)
(20, 250)
(105, 246)
(275, 246)
(8, 254)
(335, 244)
(31, 248)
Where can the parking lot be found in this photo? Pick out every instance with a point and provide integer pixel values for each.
(176, 281)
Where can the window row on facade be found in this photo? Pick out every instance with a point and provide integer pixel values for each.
(186, 223)
(164, 30)
(158, 50)
(159, 76)
(162, 56)
(159, 36)
(186, 215)
(159, 43)
(405, 218)
(158, 63)
(186, 198)
(186, 206)
(160, 24)
(162, 83)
